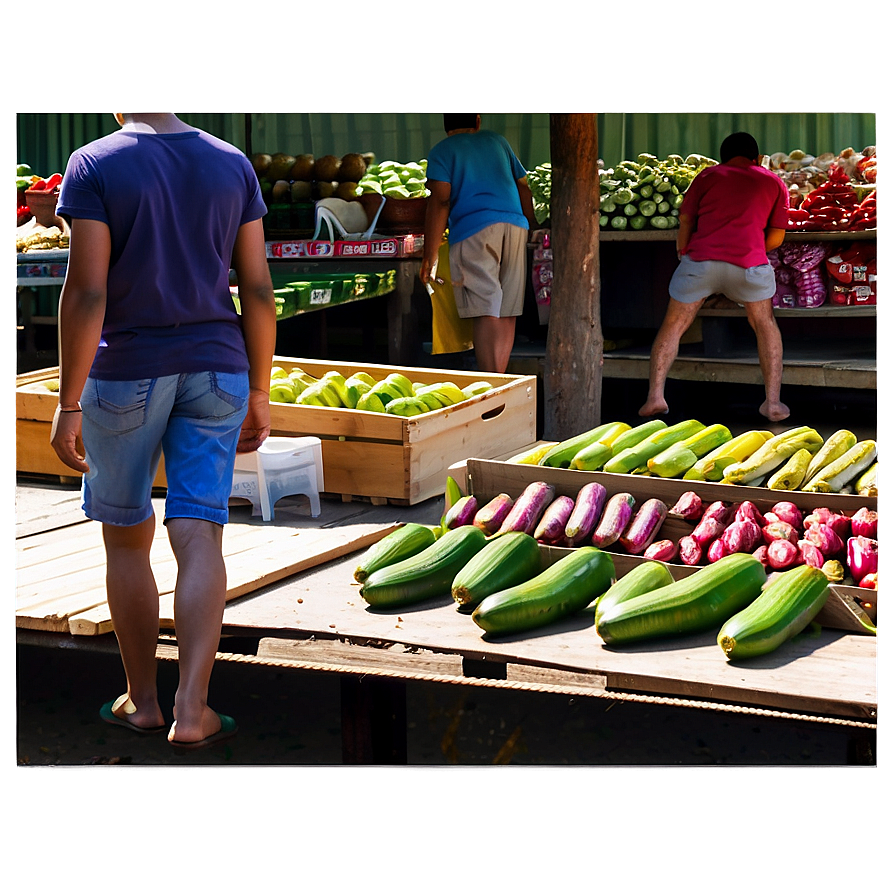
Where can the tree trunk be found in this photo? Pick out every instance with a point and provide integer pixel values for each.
(575, 343)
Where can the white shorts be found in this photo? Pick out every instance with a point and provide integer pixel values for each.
(695, 280)
(488, 272)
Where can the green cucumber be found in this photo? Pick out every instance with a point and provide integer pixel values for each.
(565, 587)
(698, 602)
(677, 459)
(637, 434)
(646, 576)
(399, 544)
(561, 455)
(592, 457)
(428, 573)
(784, 608)
(637, 456)
(505, 561)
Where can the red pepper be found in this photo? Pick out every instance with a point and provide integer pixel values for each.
(54, 181)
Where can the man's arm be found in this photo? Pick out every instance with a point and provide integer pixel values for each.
(259, 321)
(774, 236)
(685, 229)
(522, 186)
(82, 307)
(434, 227)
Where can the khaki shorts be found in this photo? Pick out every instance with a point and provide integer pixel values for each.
(488, 272)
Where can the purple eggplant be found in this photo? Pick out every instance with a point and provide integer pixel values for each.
(587, 510)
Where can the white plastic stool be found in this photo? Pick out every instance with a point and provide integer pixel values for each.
(245, 481)
(281, 466)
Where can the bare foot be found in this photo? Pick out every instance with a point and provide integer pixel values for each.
(204, 724)
(774, 411)
(652, 407)
(145, 716)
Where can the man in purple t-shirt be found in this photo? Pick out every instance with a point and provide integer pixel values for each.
(732, 215)
(153, 359)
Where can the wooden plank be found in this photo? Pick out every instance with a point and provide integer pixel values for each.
(846, 374)
(246, 572)
(787, 666)
(830, 672)
(61, 574)
(823, 311)
(394, 658)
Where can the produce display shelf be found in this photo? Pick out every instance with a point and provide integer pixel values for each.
(608, 235)
(487, 478)
(826, 310)
(381, 246)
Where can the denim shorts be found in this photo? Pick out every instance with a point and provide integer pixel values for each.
(193, 419)
(696, 280)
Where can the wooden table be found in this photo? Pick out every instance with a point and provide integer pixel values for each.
(306, 614)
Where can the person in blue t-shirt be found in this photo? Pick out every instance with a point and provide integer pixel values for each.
(154, 359)
(478, 190)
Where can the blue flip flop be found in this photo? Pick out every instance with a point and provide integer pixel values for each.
(228, 730)
(108, 716)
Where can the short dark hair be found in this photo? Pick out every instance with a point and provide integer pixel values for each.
(453, 121)
(739, 144)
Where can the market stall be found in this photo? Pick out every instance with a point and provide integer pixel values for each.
(295, 594)
(826, 272)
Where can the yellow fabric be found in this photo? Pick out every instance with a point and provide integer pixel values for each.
(449, 332)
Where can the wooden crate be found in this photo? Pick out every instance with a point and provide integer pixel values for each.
(379, 457)
(846, 605)
(406, 459)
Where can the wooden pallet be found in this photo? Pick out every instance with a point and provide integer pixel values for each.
(60, 583)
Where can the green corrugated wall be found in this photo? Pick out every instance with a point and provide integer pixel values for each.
(45, 140)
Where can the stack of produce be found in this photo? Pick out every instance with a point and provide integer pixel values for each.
(800, 275)
(802, 173)
(796, 459)
(830, 206)
(286, 179)
(839, 544)
(752, 616)
(393, 394)
(395, 180)
(36, 199)
(636, 194)
(496, 573)
(781, 538)
(852, 272)
(648, 192)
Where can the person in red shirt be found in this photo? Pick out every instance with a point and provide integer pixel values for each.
(732, 216)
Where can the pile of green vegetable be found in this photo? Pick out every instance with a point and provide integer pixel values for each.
(647, 192)
(637, 194)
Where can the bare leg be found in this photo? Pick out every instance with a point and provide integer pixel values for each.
(133, 599)
(679, 316)
(199, 598)
(493, 342)
(771, 357)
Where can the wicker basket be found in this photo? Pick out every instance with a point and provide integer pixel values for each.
(403, 215)
(398, 215)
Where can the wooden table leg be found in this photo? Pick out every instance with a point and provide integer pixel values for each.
(405, 343)
(374, 721)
